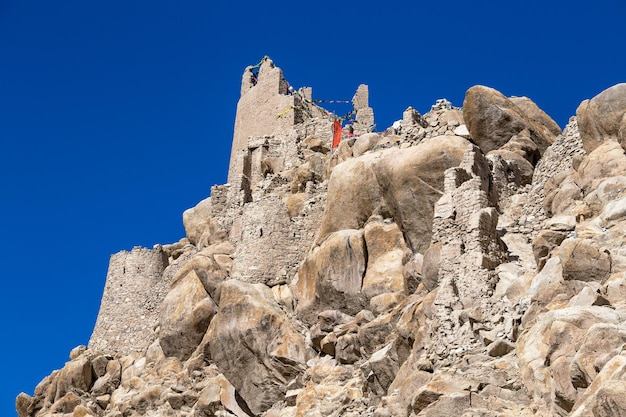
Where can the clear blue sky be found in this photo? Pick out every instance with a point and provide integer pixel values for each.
(117, 116)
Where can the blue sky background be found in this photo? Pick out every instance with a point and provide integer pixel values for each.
(117, 116)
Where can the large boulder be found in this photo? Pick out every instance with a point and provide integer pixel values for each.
(331, 276)
(185, 314)
(606, 160)
(546, 351)
(197, 221)
(584, 260)
(412, 181)
(603, 118)
(400, 183)
(386, 251)
(493, 119)
(353, 195)
(605, 396)
(602, 343)
(255, 345)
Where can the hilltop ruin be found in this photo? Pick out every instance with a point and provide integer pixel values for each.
(468, 261)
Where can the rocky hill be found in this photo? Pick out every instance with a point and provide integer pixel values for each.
(464, 262)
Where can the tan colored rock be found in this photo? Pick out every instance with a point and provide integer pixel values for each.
(605, 396)
(430, 267)
(353, 195)
(493, 120)
(607, 160)
(295, 204)
(584, 260)
(386, 252)
(440, 387)
(365, 143)
(75, 374)
(218, 395)
(543, 244)
(546, 351)
(22, 403)
(185, 315)
(602, 342)
(564, 199)
(65, 404)
(385, 302)
(331, 390)
(399, 183)
(381, 369)
(108, 382)
(251, 340)
(536, 114)
(331, 276)
(602, 118)
(521, 170)
(412, 181)
(197, 221)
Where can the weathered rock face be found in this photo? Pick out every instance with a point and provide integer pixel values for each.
(331, 276)
(462, 262)
(603, 118)
(493, 119)
(254, 343)
(400, 183)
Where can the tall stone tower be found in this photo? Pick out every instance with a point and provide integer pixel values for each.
(265, 107)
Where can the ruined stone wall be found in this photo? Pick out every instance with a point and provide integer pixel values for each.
(133, 292)
(470, 249)
(262, 100)
(271, 244)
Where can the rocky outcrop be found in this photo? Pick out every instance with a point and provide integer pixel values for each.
(493, 119)
(462, 262)
(603, 118)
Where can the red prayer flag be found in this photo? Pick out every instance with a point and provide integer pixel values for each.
(336, 133)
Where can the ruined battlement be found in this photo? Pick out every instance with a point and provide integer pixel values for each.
(133, 293)
(264, 95)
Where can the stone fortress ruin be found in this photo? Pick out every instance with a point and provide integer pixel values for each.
(468, 261)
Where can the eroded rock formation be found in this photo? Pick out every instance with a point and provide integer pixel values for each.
(468, 261)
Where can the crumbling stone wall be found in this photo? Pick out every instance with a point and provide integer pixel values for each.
(261, 101)
(464, 227)
(133, 292)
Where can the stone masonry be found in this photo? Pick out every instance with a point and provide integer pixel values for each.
(464, 225)
(132, 295)
(262, 99)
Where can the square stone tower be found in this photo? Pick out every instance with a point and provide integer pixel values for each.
(266, 107)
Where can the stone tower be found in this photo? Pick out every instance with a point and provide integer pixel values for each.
(265, 108)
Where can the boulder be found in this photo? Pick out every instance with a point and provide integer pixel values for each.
(584, 260)
(76, 374)
(519, 169)
(546, 351)
(605, 396)
(412, 181)
(254, 344)
(533, 111)
(197, 221)
(332, 390)
(365, 143)
(607, 160)
(331, 276)
(386, 251)
(430, 266)
(185, 314)
(353, 195)
(400, 183)
(603, 118)
(543, 244)
(493, 119)
(602, 342)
